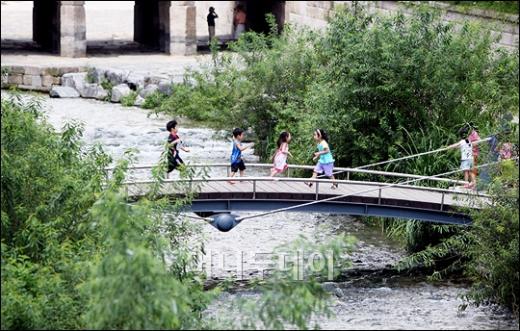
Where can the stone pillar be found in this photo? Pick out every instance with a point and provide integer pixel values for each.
(183, 28)
(73, 32)
(279, 13)
(164, 26)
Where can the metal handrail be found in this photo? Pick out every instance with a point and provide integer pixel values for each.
(307, 167)
(316, 181)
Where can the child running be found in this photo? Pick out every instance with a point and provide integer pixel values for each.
(237, 163)
(280, 157)
(466, 156)
(174, 160)
(326, 162)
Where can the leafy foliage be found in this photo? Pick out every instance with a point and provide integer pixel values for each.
(510, 7)
(48, 184)
(153, 100)
(129, 99)
(494, 256)
(487, 251)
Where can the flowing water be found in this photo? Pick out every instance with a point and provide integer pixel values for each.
(363, 302)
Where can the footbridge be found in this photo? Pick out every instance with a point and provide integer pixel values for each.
(403, 199)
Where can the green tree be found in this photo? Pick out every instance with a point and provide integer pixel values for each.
(48, 184)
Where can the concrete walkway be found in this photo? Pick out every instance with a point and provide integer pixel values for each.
(143, 64)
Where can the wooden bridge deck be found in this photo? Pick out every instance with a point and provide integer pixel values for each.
(265, 188)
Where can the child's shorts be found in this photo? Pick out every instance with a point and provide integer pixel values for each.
(466, 164)
(238, 166)
(174, 162)
(326, 168)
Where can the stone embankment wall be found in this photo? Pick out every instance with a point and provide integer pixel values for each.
(106, 84)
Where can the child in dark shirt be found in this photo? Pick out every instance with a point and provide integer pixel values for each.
(174, 160)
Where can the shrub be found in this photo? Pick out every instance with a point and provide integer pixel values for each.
(129, 100)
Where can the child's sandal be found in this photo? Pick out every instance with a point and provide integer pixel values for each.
(308, 184)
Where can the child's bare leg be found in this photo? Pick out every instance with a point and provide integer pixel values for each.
(473, 179)
(466, 175)
(231, 176)
(314, 175)
(334, 184)
(242, 172)
(273, 172)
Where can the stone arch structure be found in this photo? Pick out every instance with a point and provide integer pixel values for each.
(256, 11)
(59, 27)
(168, 26)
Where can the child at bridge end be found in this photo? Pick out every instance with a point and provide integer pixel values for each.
(466, 156)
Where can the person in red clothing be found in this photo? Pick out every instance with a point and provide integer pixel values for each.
(239, 21)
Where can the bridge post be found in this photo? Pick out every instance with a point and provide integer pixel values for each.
(442, 201)
(317, 190)
(379, 196)
(254, 189)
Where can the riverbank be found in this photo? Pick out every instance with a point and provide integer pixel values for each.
(98, 77)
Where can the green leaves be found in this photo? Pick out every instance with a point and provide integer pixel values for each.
(48, 183)
(130, 285)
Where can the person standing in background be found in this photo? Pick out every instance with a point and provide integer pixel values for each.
(211, 23)
(239, 21)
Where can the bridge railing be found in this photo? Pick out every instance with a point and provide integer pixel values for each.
(347, 171)
(318, 186)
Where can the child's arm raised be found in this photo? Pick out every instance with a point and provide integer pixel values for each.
(454, 145)
(324, 151)
(243, 148)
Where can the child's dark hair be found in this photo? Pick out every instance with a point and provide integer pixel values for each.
(463, 132)
(237, 132)
(171, 125)
(321, 133)
(283, 138)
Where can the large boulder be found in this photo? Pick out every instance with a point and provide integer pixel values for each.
(149, 89)
(135, 81)
(138, 101)
(75, 80)
(63, 92)
(116, 76)
(165, 87)
(97, 74)
(93, 91)
(156, 79)
(120, 91)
